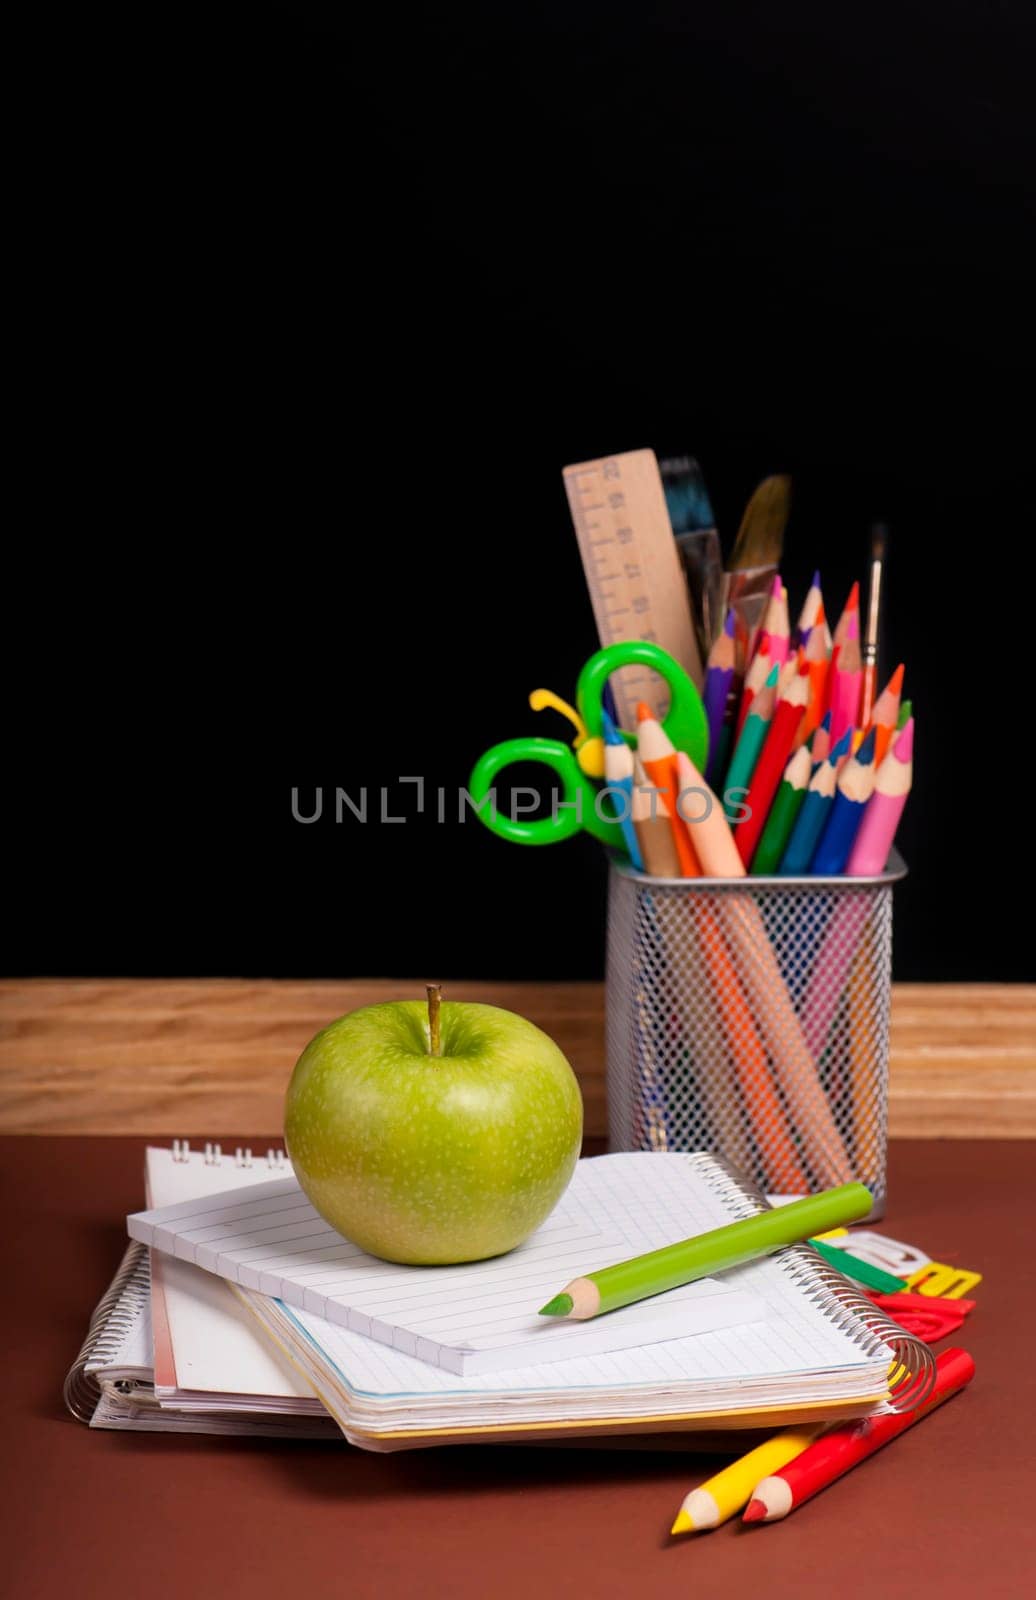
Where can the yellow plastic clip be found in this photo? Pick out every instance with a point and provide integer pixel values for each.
(949, 1283)
(589, 752)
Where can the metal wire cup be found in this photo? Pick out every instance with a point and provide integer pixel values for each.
(751, 1017)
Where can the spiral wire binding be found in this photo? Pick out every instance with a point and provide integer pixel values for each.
(112, 1317)
(912, 1376)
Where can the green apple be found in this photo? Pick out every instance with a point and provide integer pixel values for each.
(431, 1135)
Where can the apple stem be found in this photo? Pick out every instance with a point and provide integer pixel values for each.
(434, 991)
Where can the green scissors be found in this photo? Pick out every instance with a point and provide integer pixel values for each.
(685, 722)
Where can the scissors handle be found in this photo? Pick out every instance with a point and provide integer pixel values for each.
(685, 722)
(577, 808)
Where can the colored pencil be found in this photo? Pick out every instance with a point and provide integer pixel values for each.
(855, 787)
(906, 711)
(817, 653)
(820, 744)
(845, 686)
(728, 1491)
(837, 1452)
(772, 761)
(812, 609)
(885, 714)
(783, 812)
(814, 813)
(851, 609)
(703, 815)
(879, 542)
(719, 675)
(656, 751)
(750, 743)
(830, 969)
(870, 852)
(775, 1147)
(618, 775)
(796, 1070)
(755, 677)
(775, 622)
(641, 1277)
(650, 817)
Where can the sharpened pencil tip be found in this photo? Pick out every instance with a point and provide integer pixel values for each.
(853, 602)
(560, 1306)
(611, 732)
(755, 1511)
(774, 674)
(644, 712)
(684, 1522)
(865, 754)
(896, 680)
(728, 625)
(903, 749)
(843, 746)
(816, 580)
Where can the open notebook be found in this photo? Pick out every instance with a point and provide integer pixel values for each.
(480, 1317)
(818, 1349)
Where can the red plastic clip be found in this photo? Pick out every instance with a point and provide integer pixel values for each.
(927, 1316)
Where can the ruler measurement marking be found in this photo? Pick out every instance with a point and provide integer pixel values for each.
(621, 521)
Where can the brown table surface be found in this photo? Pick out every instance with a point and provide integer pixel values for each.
(945, 1510)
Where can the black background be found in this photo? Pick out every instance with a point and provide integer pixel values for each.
(316, 313)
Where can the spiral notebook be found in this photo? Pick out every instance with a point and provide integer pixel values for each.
(818, 1350)
(172, 1349)
(481, 1316)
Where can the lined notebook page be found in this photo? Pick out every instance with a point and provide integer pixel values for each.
(480, 1317)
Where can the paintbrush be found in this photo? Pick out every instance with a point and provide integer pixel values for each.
(879, 546)
(754, 560)
(694, 529)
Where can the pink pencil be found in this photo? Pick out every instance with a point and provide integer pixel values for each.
(848, 681)
(870, 851)
(776, 623)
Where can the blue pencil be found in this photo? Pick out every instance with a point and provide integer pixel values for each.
(809, 824)
(618, 774)
(855, 787)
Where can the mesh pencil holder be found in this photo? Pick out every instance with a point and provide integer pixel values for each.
(751, 1017)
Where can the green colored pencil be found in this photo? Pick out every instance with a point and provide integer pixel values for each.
(906, 711)
(783, 812)
(675, 1264)
(746, 751)
(862, 1271)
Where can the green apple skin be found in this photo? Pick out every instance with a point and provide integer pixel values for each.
(433, 1159)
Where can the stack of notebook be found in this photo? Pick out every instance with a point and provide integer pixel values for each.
(238, 1309)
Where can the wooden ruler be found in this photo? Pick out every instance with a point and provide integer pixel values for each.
(633, 570)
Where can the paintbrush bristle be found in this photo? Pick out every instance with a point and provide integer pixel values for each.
(760, 538)
(879, 541)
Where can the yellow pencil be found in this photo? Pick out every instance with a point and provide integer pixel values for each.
(730, 1490)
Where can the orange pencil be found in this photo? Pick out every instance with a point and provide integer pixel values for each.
(784, 1172)
(817, 652)
(885, 715)
(658, 754)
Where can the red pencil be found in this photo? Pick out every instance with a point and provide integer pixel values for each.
(843, 1448)
(772, 761)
